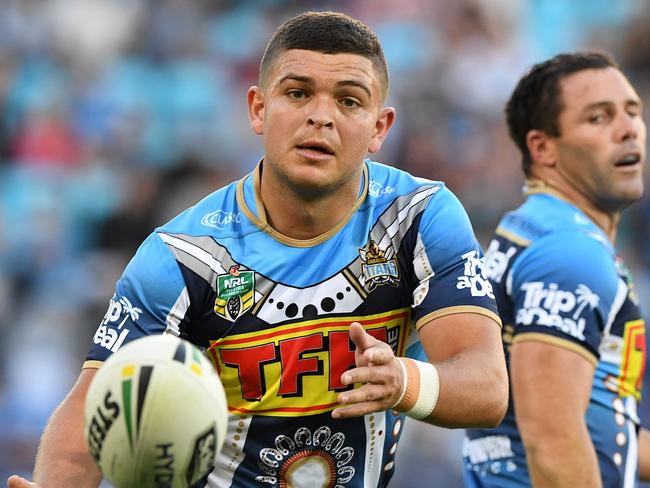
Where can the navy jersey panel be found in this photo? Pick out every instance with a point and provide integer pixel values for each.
(273, 316)
(451, 262)
(558, 279)
(561, 283)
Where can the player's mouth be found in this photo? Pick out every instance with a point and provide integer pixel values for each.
(629, 160)
(315, 149)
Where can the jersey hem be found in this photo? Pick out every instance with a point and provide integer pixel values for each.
(457, 309)
(556, 341)
(92, 364)
(511, 236)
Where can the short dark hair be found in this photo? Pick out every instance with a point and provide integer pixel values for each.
(329, 33)
(536, 102)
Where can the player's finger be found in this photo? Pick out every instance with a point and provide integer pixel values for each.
(358, 409)
(367, 393)
(380, 353)
(361, 338)
(18, 482)
(385, 374)
(364, 374)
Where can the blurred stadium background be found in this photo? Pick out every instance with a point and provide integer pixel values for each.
(117, 114)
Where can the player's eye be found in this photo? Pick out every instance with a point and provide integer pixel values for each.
(296, 94)
(598, 118)
(349, 102)
(633, 111)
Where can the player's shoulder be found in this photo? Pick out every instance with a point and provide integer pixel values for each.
(443, 226)
(546, 221)
(388, 183)
(559, 243)
(217, 215)
(574, 249)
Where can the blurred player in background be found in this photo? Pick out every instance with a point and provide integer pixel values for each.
(573, 331)
(309, 283)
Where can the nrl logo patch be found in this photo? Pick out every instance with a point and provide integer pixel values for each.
(377, 269)
(235, 293)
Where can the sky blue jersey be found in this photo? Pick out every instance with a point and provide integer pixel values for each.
(273, 315)
(558, 279)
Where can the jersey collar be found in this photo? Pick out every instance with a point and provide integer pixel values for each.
(536, 187)
(258, 214)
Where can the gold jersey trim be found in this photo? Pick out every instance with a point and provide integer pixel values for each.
(262, 223)
(556, 341)
(512, 237)
(457, 309)
(92, 364)
(535, 186)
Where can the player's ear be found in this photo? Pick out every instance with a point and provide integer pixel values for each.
(542, 148)
(384, 122)
(256, 109)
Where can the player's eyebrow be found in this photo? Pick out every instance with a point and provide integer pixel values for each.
(356, 84)
(630, 102)
(310, 81)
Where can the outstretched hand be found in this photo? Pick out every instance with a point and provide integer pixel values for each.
(18, 482)
(377, 370)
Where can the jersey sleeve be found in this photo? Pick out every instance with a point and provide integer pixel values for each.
(150, 298)
(448, 263)
(564, 289)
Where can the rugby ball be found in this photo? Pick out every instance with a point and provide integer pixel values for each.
(155, 414)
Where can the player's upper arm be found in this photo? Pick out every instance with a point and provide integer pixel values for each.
(565, 292)
(80, 388)
(551, 387)
(644, 454)
(448, 336)
(467, 352)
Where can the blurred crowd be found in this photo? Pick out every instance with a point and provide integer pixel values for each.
(118, 114)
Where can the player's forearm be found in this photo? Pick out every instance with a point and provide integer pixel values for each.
(561, 458)
(473, 391)
(644, 454)
(63, 460)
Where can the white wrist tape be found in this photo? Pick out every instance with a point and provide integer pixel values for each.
(422, 383)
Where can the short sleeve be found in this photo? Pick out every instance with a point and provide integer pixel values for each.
(448, 263)
(563, 288)
(150, 298)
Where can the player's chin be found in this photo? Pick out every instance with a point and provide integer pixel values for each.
(622, 195)
(632, 190)
(315, 184)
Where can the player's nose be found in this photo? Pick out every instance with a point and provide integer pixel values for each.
(321, 113)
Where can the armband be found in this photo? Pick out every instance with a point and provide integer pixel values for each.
(420, 387)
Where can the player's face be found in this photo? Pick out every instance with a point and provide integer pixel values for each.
(320, 115)
(601, 149)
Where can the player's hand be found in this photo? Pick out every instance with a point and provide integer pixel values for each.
(377, 370)
(18, 482)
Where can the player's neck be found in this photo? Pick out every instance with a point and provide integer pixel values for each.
(299, 217)
(608, 221)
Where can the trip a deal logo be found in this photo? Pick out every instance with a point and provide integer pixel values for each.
(297, 368)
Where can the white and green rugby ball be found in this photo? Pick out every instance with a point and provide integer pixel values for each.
(156, 414)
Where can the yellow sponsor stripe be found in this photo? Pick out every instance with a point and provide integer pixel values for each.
(324, 324)
(316, 392)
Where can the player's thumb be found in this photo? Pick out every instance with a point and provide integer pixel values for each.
(360, 337)
(18, 482)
